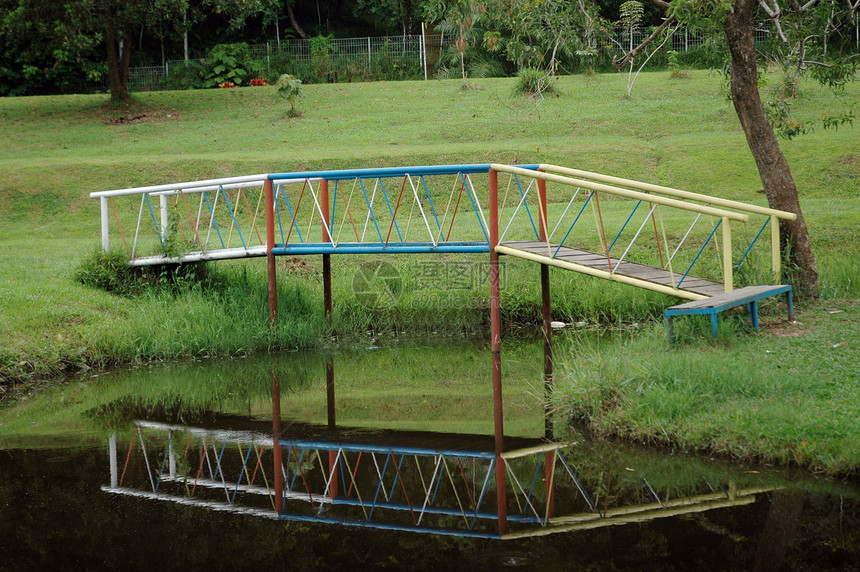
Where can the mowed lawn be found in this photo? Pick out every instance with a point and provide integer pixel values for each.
(684, 133)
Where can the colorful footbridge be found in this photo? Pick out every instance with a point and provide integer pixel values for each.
(654, 237)
(451, 209)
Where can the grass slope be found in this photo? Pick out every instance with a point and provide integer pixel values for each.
(683, 133)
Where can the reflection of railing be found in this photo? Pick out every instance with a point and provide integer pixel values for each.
(654, 268)
(420, 486)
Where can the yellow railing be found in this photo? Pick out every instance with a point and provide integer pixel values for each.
(655, 195)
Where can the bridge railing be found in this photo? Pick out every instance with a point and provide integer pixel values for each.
(674, 230)
(766, 216)
(406, 209)
(186, 222)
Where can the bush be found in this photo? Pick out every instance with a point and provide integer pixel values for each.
(290, 89)
(188, 75)
(230, 63)
(533, 81)
(111, 272)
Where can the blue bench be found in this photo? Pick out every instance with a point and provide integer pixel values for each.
(712, 306)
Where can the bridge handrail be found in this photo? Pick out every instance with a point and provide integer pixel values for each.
(414, 171)
(215, 183)
(656, 199)
(728, 203)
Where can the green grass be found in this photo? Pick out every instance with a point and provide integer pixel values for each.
(54, 151)
(788, 394)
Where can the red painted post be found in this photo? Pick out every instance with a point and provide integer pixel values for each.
(327, 301)
(496, 344)
(276, 442)
(547, 312)
(326, 236)
(329, 393)
(542, 209)
(547, 348)
(270, 257)
(332, 459)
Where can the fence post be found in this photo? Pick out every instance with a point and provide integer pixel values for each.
(369, 64)
(105, 223)
(423, 51)
(268, 62)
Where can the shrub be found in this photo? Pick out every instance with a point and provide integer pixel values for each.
(111, 272)
(188, 75)
(230, 63)
(290, 89)
(533, 81)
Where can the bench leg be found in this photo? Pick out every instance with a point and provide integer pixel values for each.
(790, 303)
(714, 324)
(754, 313)
(670, 329)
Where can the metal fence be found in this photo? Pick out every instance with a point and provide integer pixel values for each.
(364, 53)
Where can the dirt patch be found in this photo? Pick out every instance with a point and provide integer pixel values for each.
(786, 331)
(846, 166)
(297, 266)
(126, 119)
(783, 329)
(148, 117)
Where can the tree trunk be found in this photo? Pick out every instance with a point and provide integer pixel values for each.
(119, 56)
(295, 23)
(779, 186)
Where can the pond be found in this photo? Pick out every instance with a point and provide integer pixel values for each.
(386, 458)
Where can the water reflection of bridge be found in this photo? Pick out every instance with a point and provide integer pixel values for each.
(397, 480)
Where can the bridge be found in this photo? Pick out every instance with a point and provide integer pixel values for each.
(654, 237)
(451, 209)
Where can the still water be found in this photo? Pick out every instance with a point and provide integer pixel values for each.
(385, 458)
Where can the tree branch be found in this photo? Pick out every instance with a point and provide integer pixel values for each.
(619, 64)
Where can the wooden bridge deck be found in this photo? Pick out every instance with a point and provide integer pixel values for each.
(698, 287)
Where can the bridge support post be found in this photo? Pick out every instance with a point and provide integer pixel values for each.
(277, 451)
(547, 312)
(270, 257)
(547, 349)
(327, 303)
(105, 224)
(550, 484)
(775, 259)
(496, 346)
(332, 422)
(326, 237)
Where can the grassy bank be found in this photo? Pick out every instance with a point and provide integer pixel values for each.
(58, 149)
(788, 394)
(683, 133)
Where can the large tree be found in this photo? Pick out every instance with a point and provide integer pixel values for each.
(736, 18)
(72, 27)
